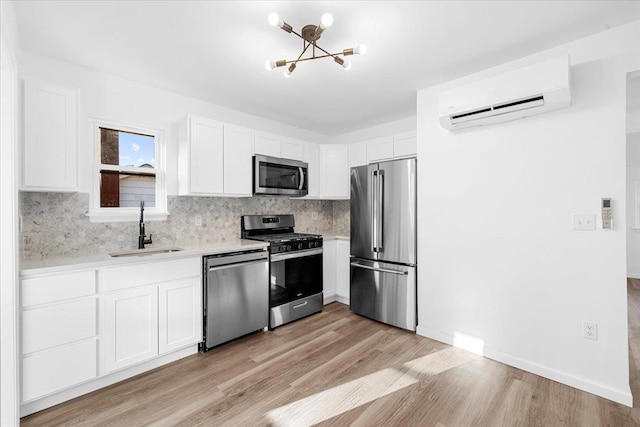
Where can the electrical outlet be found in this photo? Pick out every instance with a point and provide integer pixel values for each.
(198, 220)
(585, 222)
(590, 330)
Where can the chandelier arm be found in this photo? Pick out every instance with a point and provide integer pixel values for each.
(332, 55)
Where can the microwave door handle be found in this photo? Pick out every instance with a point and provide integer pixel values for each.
(380, 210)
(301, 178)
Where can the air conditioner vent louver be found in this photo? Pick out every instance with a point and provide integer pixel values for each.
(524, 92)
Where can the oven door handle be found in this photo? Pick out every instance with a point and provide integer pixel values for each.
(298, 254)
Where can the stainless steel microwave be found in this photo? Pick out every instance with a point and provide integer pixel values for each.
(273, 176)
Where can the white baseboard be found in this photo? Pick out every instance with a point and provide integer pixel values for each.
(623, 397)
(342, 299)
(328, 298)
(332, 297)
(633, 275)
(87, 387)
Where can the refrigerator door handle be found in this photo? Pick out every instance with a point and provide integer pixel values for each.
(374, 180)
(381, 270)
(380, 238)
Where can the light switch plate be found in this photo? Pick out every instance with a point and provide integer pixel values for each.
(584, 222)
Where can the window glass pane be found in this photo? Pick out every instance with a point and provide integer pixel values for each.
(126, 148)
(119, 190)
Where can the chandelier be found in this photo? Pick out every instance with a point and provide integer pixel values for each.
(310, 36)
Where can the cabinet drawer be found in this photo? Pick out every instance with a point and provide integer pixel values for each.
(117, 278)
(55, 370)
(58, 324)
(46, 289)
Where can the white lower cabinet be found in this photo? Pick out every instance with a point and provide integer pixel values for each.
(343, 269)
(62, 367)
(179, 314)
(58, 330)
(336, 270)
(154, 309)
(129, 332)
(82, 329)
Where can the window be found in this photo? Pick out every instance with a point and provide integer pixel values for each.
(129, 170)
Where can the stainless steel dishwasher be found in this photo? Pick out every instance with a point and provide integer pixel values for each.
(236, 295)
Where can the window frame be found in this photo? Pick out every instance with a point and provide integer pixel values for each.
(126, 214)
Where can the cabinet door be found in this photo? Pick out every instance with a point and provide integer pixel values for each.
(342, 270)
(50, 137)
(292, 149)
(267, 144)
(329, 268)
(358, 154)
(179, 314)
(206, 157)
(237, 160)
(379, 149)
(129, 332)
(335, 171)
(405, 145)
(312, 157)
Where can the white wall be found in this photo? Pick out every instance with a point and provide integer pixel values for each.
(111, 98)
(498, 259)
(633, 203)
(9, 133)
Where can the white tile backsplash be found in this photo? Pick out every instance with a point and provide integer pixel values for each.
(55, 224)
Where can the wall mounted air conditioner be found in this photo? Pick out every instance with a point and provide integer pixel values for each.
(527, 91)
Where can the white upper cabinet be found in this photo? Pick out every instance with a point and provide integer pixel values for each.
(292, 149)
(201, 158)
(405, 144)
(237, 160)
(391, 147)
(334, 172)
(214, 158)
(267, 144)
(50, 156)
(312, 157)
(272, 145)
(358, 154)
(380, 149)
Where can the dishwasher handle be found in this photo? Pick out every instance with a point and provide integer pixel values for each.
(236, 265)
(236, 258)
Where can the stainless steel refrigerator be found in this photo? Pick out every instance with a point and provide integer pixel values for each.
(383, 242)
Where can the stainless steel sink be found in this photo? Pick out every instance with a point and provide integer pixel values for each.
(143, 252)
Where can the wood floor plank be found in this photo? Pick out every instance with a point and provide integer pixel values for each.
(335, 369)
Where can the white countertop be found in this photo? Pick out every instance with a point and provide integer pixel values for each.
(90, 261)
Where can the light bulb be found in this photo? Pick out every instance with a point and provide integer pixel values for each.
(287, 73)
(360, 49)
(273, 19)
(326, 21)
(346, 65)
(270, 65)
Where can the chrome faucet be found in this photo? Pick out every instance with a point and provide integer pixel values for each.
(142, 240)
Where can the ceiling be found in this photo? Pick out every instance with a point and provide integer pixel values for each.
(216, 50)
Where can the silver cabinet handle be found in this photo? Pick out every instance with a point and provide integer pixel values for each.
(300, 305)
(380, 210)
(299, 254)
(374, 180)
(381, 270)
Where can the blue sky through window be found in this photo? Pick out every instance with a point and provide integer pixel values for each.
(136, 150)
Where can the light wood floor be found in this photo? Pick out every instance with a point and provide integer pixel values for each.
(337, 369)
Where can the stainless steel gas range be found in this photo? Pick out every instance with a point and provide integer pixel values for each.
(295, 266)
